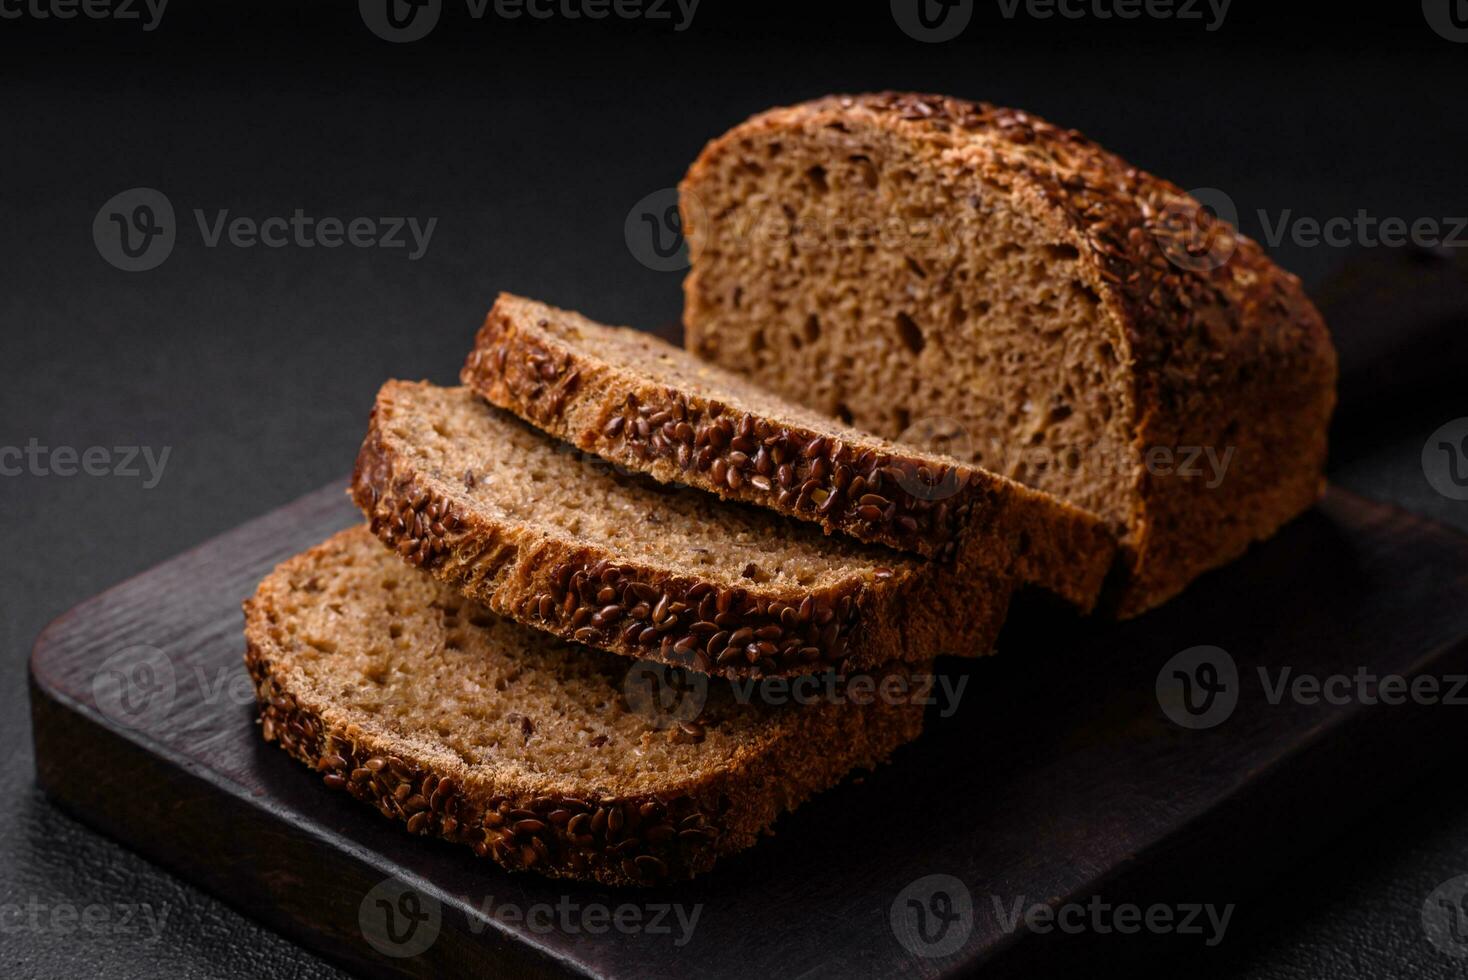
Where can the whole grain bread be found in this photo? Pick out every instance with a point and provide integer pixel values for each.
(564, 542)
(978, 280)
(642, 403)
(536, 754)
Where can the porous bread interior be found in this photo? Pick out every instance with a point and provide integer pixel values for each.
(873, 279)
(524, 478)
(371, 642)
(643, 357)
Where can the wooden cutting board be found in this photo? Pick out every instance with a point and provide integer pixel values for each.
(1060, 776)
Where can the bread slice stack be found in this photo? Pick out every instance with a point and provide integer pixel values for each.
(468, 727)
(549, 638)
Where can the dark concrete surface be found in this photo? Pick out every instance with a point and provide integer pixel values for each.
(530, 142)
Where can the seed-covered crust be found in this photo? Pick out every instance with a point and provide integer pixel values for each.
(715, 623)
(1220, 347)
(658, 410)
(545, 822)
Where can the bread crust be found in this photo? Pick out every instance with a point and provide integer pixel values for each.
(909, 612)
(520, 823)
(849, 483)
(1201, 340)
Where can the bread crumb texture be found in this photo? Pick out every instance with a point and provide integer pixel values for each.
(980, 282)
(469, 727)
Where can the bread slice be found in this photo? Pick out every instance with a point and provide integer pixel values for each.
(555, 539)
(1086, 328)
(642, 403)
(470, 728)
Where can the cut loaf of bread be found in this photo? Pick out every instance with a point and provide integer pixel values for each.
(642, 403)
(534, 753)
(975, 279)
(558, 540)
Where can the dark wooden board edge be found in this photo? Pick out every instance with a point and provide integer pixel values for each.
(273, 853)
(259, 856)
(1286, 812)
(85, 762)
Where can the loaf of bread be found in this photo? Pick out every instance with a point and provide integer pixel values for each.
(561, 541)
(644, 404)
(469, 728)
(997, 288)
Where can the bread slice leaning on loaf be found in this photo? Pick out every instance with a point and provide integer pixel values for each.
(976, 279)
(640, 402)
(561, 541)
(470, 728)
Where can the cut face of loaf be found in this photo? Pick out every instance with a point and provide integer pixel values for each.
(538, 755)
(555, 539)
(642, 403)
(979, 281)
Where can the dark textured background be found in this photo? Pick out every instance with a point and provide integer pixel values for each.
(530, 142)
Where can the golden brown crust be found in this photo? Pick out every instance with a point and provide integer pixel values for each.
(1203, 337)
(862, 487)
(643, 839)
(599, 598)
